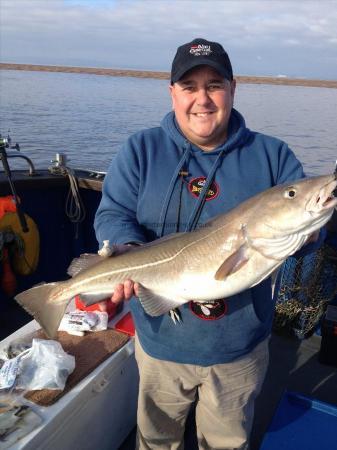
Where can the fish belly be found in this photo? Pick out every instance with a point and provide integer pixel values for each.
(204, 286)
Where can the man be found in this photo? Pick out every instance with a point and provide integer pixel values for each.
(200, 162)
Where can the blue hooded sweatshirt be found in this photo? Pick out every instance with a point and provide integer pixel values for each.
(161, 183)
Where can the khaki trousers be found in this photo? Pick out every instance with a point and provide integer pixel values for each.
(224, 396)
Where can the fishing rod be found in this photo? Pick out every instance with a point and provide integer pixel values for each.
(4, 144)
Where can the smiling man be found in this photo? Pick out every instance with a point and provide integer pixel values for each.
(203, 95)
(201, 161)
(203, 100)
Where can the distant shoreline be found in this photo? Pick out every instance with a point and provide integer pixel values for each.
(165, 75)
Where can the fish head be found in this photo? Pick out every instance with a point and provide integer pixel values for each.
(302, 206)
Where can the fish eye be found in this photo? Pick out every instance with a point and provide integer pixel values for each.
(290, 193)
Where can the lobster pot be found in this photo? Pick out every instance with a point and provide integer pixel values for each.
(306, 286)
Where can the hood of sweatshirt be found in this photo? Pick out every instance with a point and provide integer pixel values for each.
(237, 135)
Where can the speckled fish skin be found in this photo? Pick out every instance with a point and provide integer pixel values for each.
(229, 254)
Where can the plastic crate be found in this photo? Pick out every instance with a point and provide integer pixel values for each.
(302, 423)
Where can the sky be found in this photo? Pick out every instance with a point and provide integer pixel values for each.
(295, 38)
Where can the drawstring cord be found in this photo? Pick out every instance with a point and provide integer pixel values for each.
(195, 215)
(169, 193)
(183, 173)
(196, 212)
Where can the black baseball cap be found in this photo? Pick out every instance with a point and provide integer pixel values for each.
(200, 52)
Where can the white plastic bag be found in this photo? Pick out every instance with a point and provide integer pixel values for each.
(46, 366)
(78, 322)
(16, 346)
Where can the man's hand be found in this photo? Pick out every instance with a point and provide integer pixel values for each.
(123, 291)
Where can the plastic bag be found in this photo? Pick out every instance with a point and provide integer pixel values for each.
(17, 346)
(45, 366)
(78, 322)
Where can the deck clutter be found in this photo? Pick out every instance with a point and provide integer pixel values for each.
(38, 370)
(104, 379)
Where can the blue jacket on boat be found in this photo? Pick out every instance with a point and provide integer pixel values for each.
(154, 187)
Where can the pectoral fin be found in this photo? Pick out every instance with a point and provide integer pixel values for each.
(156, 305)
(233, 263)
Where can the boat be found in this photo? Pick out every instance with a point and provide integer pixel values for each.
(100, 411)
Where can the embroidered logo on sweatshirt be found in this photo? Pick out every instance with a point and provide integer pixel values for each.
(209, 311)
(196, 184)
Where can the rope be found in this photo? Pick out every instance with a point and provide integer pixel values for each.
(74, 207)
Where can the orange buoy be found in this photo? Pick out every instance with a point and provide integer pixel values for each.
(7, 204)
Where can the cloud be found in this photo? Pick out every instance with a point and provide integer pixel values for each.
(145, 33)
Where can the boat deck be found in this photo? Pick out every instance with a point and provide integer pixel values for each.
(293, 366)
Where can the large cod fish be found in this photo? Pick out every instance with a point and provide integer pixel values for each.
(231, 253)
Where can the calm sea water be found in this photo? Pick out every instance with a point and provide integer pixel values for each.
(88, 117)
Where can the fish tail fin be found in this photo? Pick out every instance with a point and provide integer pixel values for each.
(47, 303)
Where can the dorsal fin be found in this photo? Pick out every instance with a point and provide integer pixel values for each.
(83, 262)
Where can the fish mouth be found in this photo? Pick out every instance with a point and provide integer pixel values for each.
(325, 199)
(330, 202)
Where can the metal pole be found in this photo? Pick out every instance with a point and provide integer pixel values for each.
(3, 157)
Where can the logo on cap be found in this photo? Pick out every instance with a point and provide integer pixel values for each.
(200, 50)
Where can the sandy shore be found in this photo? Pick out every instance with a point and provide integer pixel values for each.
(166, 75)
